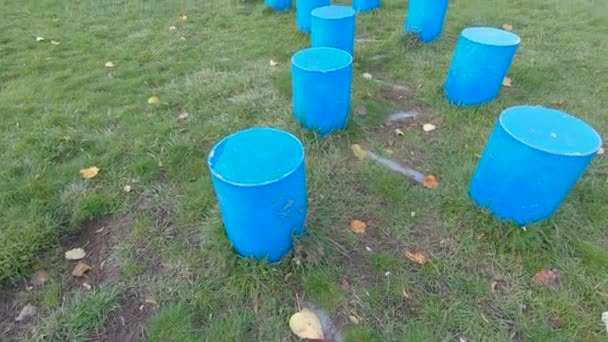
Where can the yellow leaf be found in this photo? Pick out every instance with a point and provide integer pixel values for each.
(127, 188)
(506, 82)
(39, 39)
(273, 63)
(404, 293)
(153, 100)
(493, 287)
(358, 226)
(109, 64)
(183, 116)
(367, 76)
(358, 151)
(601, 151)
(353, 319)
(507, 27)
(305, 324)
(420, 257)
(172, 28)
(80, 269)
(55, 42)
(399, 132)
(89, 172)
(428, 127)
(150, 300)
(75, 254)
(183, 17)
(430, 182)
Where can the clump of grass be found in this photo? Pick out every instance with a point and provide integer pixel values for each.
(173, 323)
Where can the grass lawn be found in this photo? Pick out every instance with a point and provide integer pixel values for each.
(163, 269)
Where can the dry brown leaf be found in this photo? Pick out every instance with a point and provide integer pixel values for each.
(507, 27)
(40, 277)
(89, 172)
(420, 257)
(493, 287)
(404, 293)
(153, 100)
(27, 312)
(80, 269)
(305, 324)
(345, 284)
(358, 151)
(506, 82)
(150, 300)
(183, 17)
(430, 182)
(358, 226)
(353, 319)
(183, 116)
(75, 254)
(548, 278)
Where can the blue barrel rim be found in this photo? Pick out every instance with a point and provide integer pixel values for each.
(479, 34)
(250, 185)
(334, 51)
(333, 12)
(573, 119)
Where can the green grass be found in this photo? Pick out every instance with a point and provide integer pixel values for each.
(62, 110)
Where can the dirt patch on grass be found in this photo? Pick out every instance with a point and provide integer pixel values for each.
(127, 322)
(97, 238)
(9, 309)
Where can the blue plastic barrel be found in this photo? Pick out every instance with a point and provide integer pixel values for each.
(258, 176)
(321, 84)
(278, 5)
(533, 158)
(303, 12)
(425, 18)
(365, 5)
(481, 61)
(333, 26)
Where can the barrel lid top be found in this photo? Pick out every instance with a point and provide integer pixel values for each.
(333, 12)
(321, 59)
(550, 130)
(256, 156)
(491, 36)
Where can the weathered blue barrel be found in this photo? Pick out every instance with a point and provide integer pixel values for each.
(365, 5)
(425, 18)
(533, 158)
(333, 26)
(278, 5)
(258, 177)
(304, 9)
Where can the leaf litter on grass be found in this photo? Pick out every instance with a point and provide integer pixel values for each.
(306, 324)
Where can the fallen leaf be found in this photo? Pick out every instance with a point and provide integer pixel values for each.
(27, 312)
(109, 64)
(548, 278)
(153, 100)
(367, 76)
(353, 319)
(89, 172)
(183, 116)
(172, 28)
(601, 151)
(182, 38)
(55, 20)
(100, 230)
(419, 256)
(39, 39)
(506, 82)
(507, 27)
(430, 182)
(404, 293)
(75, 254)
(556, 322)
(150, 300)
(127, 188)
(358, 226)
(389, 152)
(345, 284)
(183, 17)
(305, 324)
(80, 269)
(368, 249)
(40, 277)
(413, 214)
(493, 287)
(602, 294)
(481, 236)
(273, 63)
(358, 151)
(386, 274)
(399, 132)
(605, 319)
(87, 286)
(55, 42)
(428, 127)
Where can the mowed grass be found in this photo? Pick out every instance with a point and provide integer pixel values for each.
(62, 110)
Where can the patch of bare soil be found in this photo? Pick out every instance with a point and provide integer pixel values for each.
(127, 322)
(9, 309)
